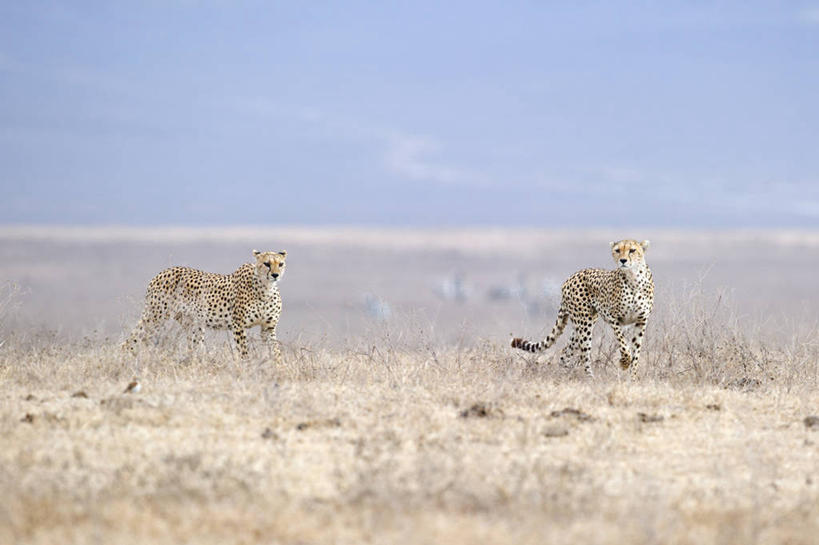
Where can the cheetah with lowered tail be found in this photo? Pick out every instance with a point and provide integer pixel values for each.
(622, 297)
(196, 299)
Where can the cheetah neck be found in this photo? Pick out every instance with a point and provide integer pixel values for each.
(265, 289)
(634, 277)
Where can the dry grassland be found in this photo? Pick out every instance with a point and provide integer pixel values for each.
(399, 434)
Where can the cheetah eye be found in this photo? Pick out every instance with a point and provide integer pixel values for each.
(631, 251)
(267, 264)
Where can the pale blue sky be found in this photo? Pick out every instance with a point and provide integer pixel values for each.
(414, 113)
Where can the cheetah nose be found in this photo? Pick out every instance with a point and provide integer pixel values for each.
(623, 261)
(275, 275)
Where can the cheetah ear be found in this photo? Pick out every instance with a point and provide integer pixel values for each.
(256, 253)
(613, 243)
(283, 253)
(645, 244)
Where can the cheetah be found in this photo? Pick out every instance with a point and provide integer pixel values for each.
(196, 299)
(622, 297)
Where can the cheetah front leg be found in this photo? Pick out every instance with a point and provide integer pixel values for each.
(269, 338)
(636, 343)
(240, 335)
(625, 355)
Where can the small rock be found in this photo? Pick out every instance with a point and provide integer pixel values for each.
(744, 383)
(650, 418)
(269, 434)
(555, 431)
(80, 394)
(480, 410)
(28, 418)
(811, 422)
(577, 414)
(328, 423)
(714, 407)
(30, 397)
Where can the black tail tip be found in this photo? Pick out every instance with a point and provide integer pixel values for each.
(517, 342)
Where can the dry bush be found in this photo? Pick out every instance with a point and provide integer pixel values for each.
(9, 301)
(698, 337)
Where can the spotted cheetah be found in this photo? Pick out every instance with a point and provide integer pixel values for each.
(196, 299)
(622, 297)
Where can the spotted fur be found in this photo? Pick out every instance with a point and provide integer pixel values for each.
(196, 299)
(622, 297)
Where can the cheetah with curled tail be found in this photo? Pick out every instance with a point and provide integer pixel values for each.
(196, 299)
(622, 297)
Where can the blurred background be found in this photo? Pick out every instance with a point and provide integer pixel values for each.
(483, 150)
(419, 113)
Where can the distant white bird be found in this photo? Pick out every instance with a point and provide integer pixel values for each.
(552, 287)
(513, 290)
(377, 307)
(453, 288)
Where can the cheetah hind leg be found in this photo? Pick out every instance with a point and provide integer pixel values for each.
(153, 316)
(130, 344)
(582, 337)
(568, 352)
(143, 331)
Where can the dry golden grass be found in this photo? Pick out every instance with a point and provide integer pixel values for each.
(414, 430)
(386, 444)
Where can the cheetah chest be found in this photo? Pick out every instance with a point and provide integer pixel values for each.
(264, 310)
(631, 301)
(630, 307)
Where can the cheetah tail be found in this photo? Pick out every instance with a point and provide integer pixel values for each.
(560, 324)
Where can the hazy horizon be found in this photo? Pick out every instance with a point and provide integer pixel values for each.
(463, 114)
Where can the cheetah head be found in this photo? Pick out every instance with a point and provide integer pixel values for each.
(270, 265)
(629, 254)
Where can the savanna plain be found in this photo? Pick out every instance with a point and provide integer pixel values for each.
(399, 414)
